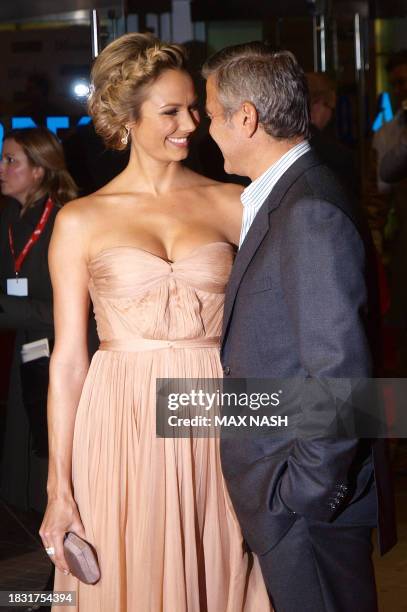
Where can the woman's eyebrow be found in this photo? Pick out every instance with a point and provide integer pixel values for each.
(178, 104)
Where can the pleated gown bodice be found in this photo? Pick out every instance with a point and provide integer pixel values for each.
(139, 295)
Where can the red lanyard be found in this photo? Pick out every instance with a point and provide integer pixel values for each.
(33, 238)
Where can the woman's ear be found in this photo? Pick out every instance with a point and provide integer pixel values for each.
(38, 173)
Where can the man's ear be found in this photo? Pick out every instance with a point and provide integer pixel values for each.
(250, 118)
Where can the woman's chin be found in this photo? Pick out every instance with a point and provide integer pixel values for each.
(180, 155)
(178, 150)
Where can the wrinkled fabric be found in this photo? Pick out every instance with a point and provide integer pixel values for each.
(156, 510)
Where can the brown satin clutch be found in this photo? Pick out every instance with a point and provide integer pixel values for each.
(81, 558)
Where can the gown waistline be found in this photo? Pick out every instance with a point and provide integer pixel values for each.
(150, 344)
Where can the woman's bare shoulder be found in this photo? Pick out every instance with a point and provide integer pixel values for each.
(224, 190)
(230, 191)
(80, 208)
(77, 216)
(227, 208)
(226, 195)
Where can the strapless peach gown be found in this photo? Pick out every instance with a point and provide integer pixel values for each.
(156, 510)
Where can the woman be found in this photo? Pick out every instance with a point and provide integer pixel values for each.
(154, 248)
(36, 184)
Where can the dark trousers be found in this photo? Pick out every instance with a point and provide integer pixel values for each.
(321, 567)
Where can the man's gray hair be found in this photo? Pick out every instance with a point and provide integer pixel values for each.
(273, 82)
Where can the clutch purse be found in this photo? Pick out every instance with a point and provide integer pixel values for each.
(81, 558)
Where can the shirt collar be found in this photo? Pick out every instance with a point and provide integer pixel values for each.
(260, 188)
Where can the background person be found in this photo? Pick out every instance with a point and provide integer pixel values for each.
(386, 210)
(35, 182)
(393, 166)
(323, 139)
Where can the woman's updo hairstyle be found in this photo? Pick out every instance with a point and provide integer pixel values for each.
(120, 77)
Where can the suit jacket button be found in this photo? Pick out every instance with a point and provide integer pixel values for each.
(226, 370)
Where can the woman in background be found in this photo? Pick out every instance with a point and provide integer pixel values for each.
(35, 184)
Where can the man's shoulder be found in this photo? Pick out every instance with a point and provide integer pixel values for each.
(319, 184)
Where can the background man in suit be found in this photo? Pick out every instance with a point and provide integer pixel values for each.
(393, 167)
(296, 306)
(323, 138)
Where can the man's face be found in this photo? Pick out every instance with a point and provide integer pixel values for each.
(224, 131)
(321, 114)
(398, 81)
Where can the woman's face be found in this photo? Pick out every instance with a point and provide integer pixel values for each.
(18, 178)
(168, 117)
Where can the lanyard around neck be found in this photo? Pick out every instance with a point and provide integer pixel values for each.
(18, 262)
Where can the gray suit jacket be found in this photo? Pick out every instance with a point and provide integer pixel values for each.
(296, 306)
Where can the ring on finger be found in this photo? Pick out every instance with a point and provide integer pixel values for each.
(50, 550)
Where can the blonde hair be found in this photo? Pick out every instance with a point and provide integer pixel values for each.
(120, 77)
(43, 150)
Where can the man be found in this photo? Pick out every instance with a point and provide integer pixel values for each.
(340, 159)
(391, 133)
(322, 94)
(381, 198)
(393, 167)
(294, 308)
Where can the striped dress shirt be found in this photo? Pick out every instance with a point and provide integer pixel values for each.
(256, 193)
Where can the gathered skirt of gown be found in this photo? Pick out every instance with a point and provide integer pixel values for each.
(156, 509)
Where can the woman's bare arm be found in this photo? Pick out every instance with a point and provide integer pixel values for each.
(68, 368)
(69, 361)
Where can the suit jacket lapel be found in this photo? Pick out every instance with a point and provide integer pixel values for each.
(258, 231)
(251, 243)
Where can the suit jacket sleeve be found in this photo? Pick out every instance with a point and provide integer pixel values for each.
(323, 279)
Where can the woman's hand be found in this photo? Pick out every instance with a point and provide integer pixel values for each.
(61, 515)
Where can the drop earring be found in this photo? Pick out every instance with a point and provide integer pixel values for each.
(125, 139)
